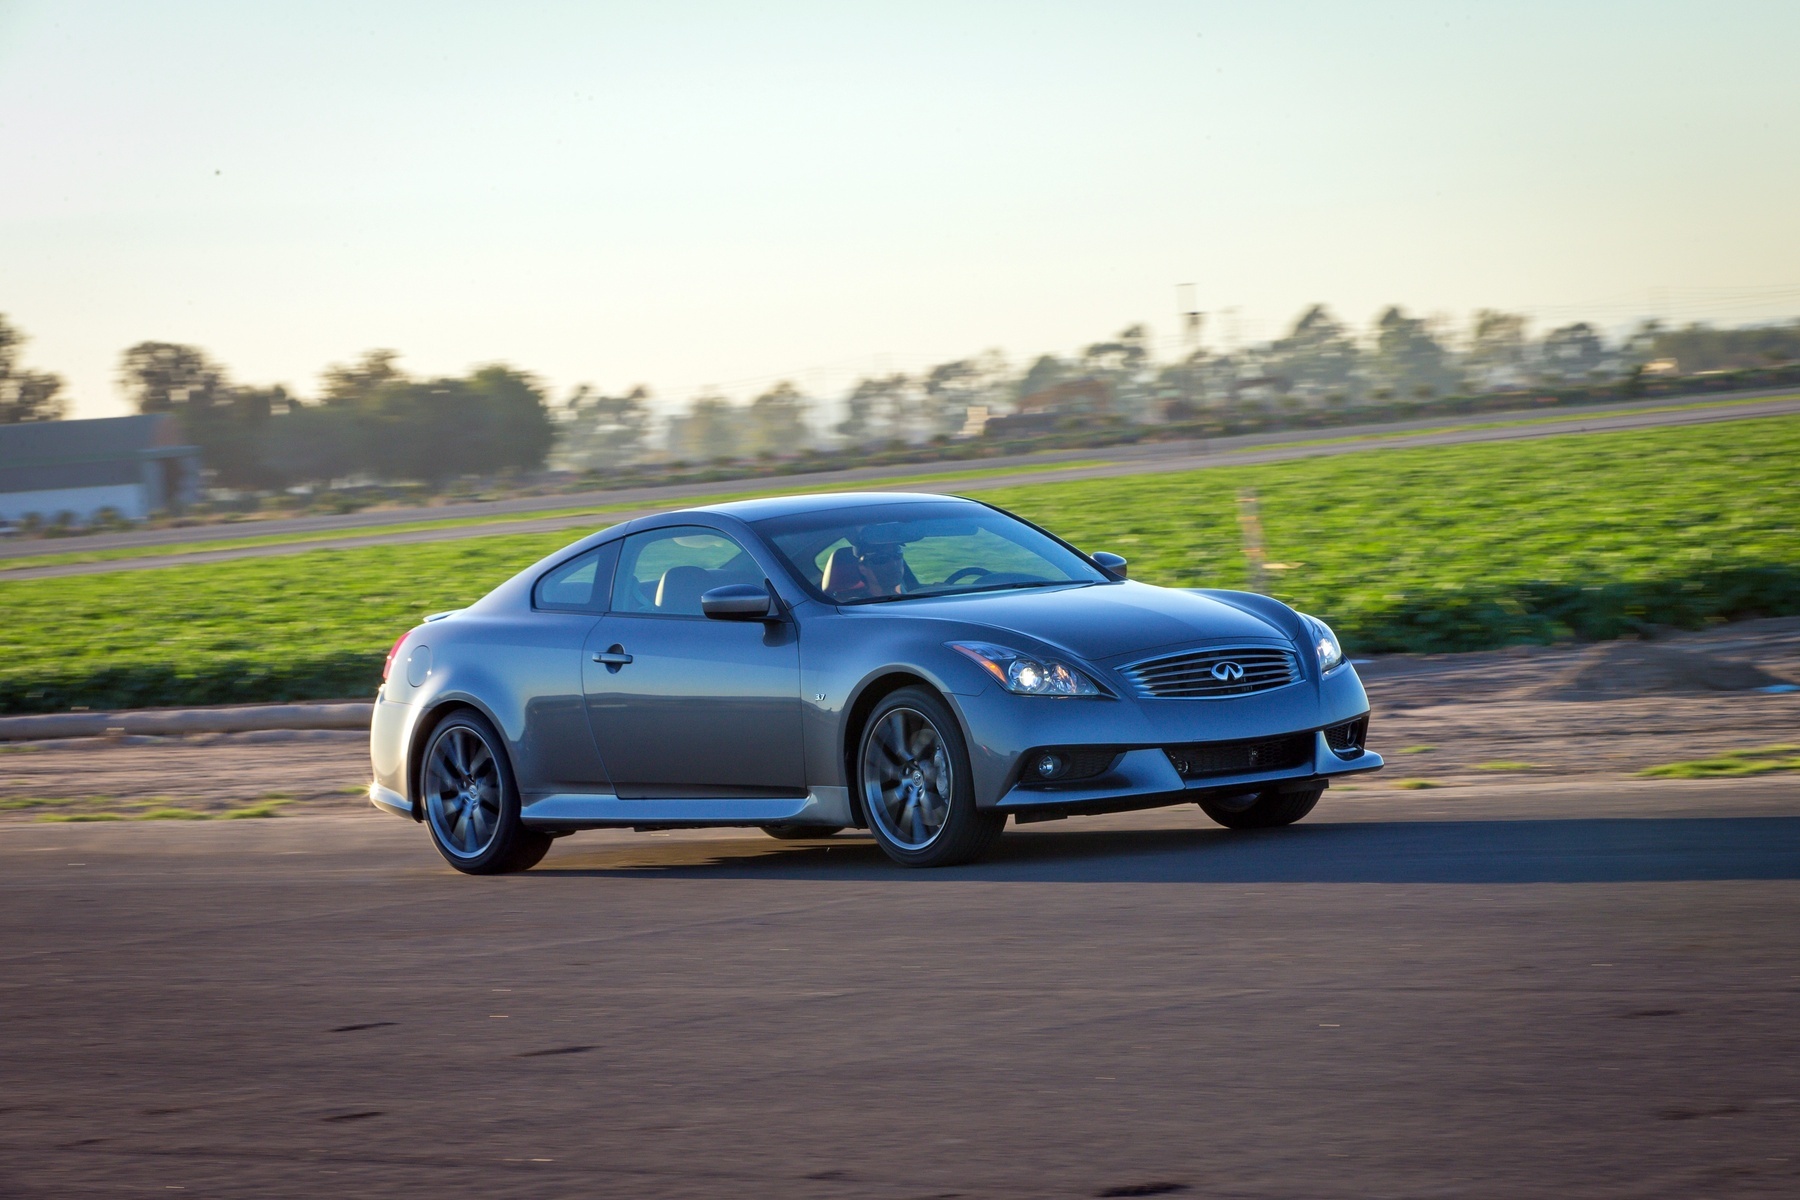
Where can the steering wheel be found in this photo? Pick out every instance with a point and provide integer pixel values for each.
(969, 572)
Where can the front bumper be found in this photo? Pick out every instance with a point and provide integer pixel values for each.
(1003, 729)
(1145, 778)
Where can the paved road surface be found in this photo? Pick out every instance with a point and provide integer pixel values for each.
(1407, 996)
(1145, 458)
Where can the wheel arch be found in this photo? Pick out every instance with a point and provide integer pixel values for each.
(872, 692)
(429, 719)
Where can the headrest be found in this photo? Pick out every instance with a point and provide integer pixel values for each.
(680, 588)
(842, 572)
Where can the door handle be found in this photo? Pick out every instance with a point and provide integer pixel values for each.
(613, 657)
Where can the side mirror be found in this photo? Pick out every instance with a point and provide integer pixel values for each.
(737, 602)
(1111, 562)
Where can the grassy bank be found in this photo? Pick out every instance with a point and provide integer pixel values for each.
(1441, 548)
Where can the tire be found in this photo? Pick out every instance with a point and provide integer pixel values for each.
(471, 800)
(908, 750)
(1264, 810)
(801, 833)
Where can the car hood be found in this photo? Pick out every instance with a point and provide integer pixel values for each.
(1102, 621)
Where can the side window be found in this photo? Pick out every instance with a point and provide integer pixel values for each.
(666, 571)
(579, 585)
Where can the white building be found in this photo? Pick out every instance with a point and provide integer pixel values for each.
(133, 465)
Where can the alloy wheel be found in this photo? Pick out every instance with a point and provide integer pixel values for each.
(907, 781)
(462, 791)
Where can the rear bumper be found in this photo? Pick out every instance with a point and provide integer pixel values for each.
(1145, 778)
(390, 733)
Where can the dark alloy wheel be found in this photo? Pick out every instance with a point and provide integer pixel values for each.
(1262, 810)
(915, 784)
(471, 801)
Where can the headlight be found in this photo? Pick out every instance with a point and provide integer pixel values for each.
(1028, 676)
(1324, 643)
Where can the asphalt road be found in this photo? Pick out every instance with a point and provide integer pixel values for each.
(1407, 995)
(363, 529)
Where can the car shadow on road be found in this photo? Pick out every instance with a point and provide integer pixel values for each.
(1589, 850)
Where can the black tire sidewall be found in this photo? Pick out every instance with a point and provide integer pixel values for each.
(967, 831)
(1271, 809)
(514, 847)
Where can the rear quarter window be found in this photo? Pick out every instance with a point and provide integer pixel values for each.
(581, 584)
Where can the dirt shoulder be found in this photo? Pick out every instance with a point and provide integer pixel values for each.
(1607, 710)
(1530, 717)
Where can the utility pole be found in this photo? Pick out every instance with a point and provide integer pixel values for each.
(1191, 317)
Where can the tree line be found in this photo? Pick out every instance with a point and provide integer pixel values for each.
(1318, 363)
(371, 420)
(26, 395)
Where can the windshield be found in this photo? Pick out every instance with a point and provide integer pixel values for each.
(895, 551)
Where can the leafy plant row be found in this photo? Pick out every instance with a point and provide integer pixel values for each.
(1447, 619)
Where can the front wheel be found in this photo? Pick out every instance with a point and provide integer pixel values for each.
(471, 801)
(916, 787)
(1262, 810)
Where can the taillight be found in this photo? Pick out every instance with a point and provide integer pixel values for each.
(393, 650)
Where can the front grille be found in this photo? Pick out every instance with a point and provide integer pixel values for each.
(1199, 760)
(1347, 739)
(1209, 674)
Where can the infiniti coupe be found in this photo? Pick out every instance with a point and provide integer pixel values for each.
(923, 667)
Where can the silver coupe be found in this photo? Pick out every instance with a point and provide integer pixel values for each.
(923, 667)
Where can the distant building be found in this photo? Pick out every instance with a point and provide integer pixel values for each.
(133, 465)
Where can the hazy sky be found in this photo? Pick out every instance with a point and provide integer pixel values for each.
(686, 195)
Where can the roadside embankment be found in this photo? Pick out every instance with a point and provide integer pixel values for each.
(178, 722)
(1576, 726)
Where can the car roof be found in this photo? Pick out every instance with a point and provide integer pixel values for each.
(787, 506)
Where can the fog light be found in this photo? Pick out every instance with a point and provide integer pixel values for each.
(1049, 766)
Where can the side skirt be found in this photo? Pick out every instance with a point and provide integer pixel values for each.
(825, 806)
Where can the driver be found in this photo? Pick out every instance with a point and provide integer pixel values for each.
(883, 568)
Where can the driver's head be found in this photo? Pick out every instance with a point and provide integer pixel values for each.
(883, 567)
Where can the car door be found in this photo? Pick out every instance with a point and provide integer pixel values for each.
(556, 751)
(682, 705)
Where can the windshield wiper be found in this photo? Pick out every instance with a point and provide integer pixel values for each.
(998, 587)
(1003, 587)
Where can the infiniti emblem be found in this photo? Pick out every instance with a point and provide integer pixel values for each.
(1227, 672)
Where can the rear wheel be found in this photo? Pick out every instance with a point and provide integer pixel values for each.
(801, 833)
(1262, 810)
(471, 801)
(914, 779)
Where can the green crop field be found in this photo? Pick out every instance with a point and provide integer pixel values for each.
(1441, 548)
(1473, 547)
(242, 534)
